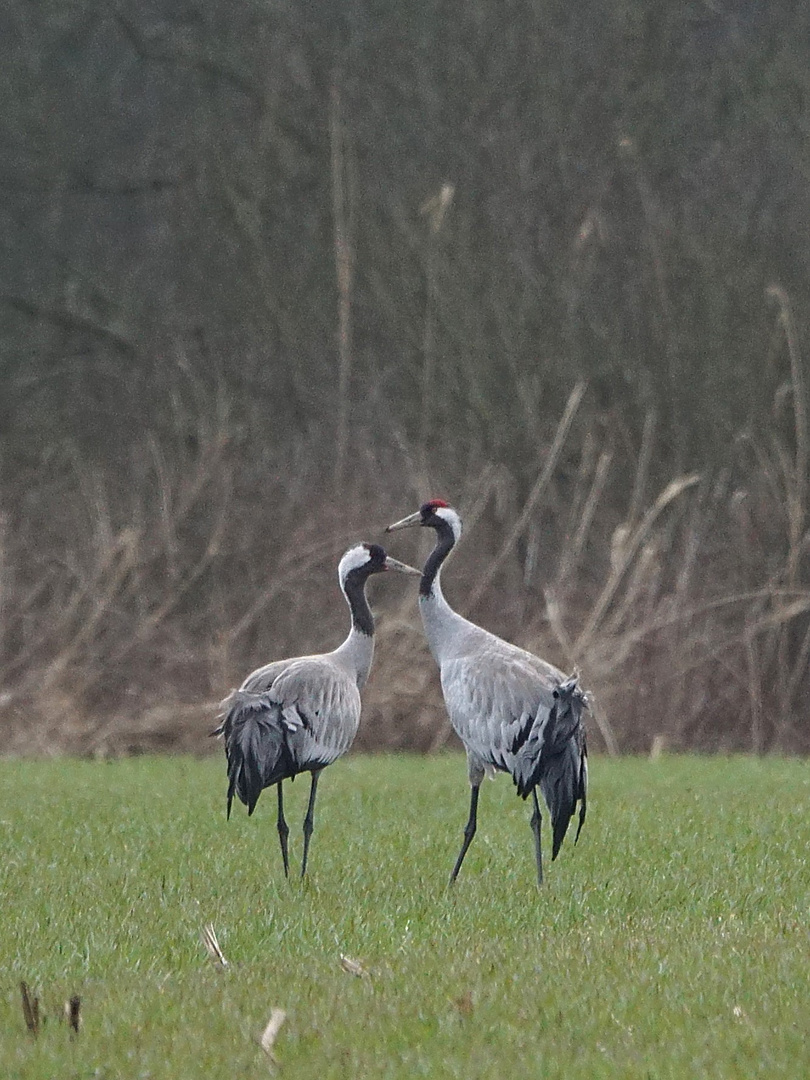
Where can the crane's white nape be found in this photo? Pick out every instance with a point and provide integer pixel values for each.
(448, 514)
(353, 559)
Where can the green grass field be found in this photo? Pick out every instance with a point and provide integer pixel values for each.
(673, 941)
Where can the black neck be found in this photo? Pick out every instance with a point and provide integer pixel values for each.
(445, 542)
(355, 589)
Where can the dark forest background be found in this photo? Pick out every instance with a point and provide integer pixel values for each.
(272, 273)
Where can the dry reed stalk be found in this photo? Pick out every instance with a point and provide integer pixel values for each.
(658, 746)
(790, 669)
(115, 565)
(149, 623)
(555, 621)
(652, 235)
(625, 557)
(604, 727)
(639, 580)
(535, 494)
(97, 501)
(798, 672)
(60, 622)
(294, 563)
(736, 639)
(435, 209)
(588, 456)
(573, 550)
(167, 522)
(6, 591)
(342, 224)
(798, 479)
(643, 468)
(754, 692)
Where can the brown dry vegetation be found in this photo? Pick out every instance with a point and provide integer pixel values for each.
(134, 607)
(262, 292)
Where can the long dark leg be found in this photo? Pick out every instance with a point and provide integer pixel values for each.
(535, 823)
(469, 831)
(309, 820)
(283, 831)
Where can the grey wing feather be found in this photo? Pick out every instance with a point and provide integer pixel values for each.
(287, 717)
(514, 712)
(495, 701)
(323, 701)
(263, 678)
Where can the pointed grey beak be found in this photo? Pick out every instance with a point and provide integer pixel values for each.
(395, 564)
(412, 519)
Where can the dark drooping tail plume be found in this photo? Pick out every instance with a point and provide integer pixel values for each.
(256, 746)
(565, 777)
(561, 767)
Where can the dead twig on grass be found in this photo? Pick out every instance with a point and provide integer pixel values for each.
(209, 940)
(270, 1033)
(352, 967)
(73, 1008)
(30, 1007)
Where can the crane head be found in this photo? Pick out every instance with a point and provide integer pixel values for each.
(435, 514)
(370, 559)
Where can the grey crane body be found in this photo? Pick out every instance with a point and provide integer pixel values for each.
(514, 712)
(300, 715)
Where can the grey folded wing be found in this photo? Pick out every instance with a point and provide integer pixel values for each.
(318, 703)
(498, 702)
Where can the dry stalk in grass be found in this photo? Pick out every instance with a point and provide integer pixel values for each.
(73, 1008)
(270, 1033)
(30, 1007)
(209, 939)
(464, 1003)
(352, 967)
(34, 1018)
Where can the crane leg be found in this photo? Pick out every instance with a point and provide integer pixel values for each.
(469, 830)
(535, 824)
(283, 831)
(309, 820)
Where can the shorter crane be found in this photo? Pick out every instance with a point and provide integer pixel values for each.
(514, 712)
(300, 715)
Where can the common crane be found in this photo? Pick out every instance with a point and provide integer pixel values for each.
(300, 715)
(514, 712)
